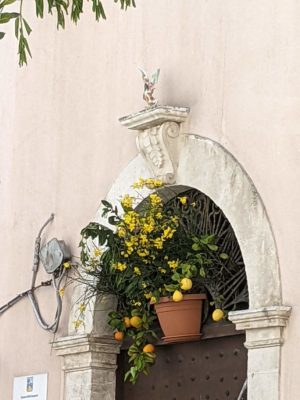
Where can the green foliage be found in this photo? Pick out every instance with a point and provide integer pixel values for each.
(62, 8)
(139, 360)
(142, 255)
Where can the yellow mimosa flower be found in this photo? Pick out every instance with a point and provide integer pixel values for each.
(97, 252)
(183, 200)
(82, 307)
(155, 200)
(173, 264)
(77, 323)
(137, 271)
(127, 201)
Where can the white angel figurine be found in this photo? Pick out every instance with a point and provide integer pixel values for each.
(149, 86)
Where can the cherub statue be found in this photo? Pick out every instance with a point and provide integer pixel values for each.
(149, 86)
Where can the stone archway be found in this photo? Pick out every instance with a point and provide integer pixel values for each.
(224, 180)
(204, 165)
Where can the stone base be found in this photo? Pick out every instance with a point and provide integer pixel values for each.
(89, 365)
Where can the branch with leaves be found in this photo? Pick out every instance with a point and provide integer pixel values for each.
(62, 8)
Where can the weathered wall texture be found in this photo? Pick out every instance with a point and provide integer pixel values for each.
(61, 146)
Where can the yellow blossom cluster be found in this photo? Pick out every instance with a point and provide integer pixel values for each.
(97, 252)
(173, 264)
(77, 323)
(155, 200)
(120, 266)
(168, 233)
(121, 231)
(183, 199)
(142, 232)
(137, 271)
(162, 270)
(127, 201)
(143, 252)
(150, 183)
(82, 308)
(158, 243)
(148, 225)
(131, 244)
(131, 219)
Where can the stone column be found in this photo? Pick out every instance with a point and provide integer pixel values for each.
(89, 365)
(264, 338)
(158, 138)
(89, 353)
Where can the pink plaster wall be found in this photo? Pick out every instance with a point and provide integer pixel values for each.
(236, 64)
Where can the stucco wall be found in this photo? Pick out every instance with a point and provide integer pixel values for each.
(61, 146)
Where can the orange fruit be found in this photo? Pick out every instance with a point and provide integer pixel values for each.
(135, 321)
(177, 296)
(119, 336)
(127, 322)
(217, 315)
(149, 348)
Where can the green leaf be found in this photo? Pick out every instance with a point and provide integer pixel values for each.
(212, 247)
(114, 314)
(196, 246)
(112, 220)
(2, 34)
(6, 3)
(175, 277)
(135, 313)
(27, 27)
(17, 23)
(39, 8)
(27, 47)
(202, 272)
(114, 323)
(106, 204)
(171, 288)
(5, 17)
(224, 256)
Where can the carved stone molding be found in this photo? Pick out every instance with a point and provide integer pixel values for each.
(89, 365)
(264, 338)
(158, 138)
(263, 326)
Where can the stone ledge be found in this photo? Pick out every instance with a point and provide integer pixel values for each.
(150, 117)
(85, 343)
(263, 326)
(266, 317)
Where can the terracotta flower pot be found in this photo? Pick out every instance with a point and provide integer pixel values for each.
(180, 321)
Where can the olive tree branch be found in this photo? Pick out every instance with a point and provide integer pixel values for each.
(74, 8)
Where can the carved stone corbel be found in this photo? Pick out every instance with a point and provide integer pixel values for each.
(158, 138)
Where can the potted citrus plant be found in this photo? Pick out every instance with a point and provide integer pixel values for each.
(145, 259)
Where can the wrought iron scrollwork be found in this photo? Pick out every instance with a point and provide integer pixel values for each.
(200, 216)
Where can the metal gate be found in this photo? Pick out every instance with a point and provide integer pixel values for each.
(213, 368)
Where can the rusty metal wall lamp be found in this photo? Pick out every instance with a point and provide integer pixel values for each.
(52, 255)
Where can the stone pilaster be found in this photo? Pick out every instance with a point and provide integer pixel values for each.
(264, 338)
(158, 138)
(89, 365)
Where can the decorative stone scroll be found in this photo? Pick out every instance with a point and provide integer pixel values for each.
(158, 138)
